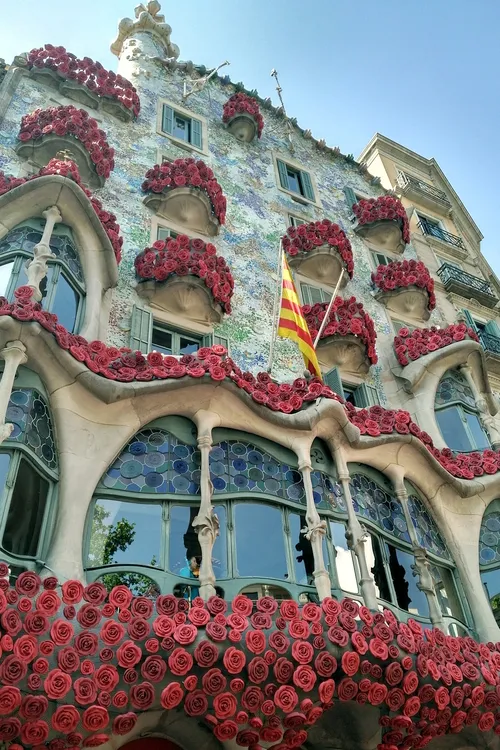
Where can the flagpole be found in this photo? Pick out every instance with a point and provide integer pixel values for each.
(277, 298)
(328, 309)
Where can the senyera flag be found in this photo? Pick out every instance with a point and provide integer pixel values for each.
(292, 324)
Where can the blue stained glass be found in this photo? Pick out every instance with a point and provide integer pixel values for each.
(25, 238)
(154, 461)
(428, 534)
(375, 503)
(29, 413)
(489, 537)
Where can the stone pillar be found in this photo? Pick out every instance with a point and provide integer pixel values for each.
(36, 269)
(356, 534)
(14, 354)
(206, 522)
(315, 532)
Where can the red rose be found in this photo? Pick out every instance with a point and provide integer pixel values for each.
(377, 693)
(412, 706)
(128, 654)
(180, 662)
(279, 642)
(163, 626)
(393, 674)
(34, 732)
(142, 695)
(72, 592)
(153, 668)
(258, 670)
(255, 641)
(225, 705)
(289, 609)
(410, 683)
(237, 622)
(106, 677)
(198, 616)
(124, 724)
(252, 699)
(298, 628)
(350, 662)
(196, 703)
(236, 685)
(85, 691)
(141, 607)
(10, 700)
(95, 718)
(171, 696)
(286, 698)
(227, 730)
(216, 605)
(216, 632)
(26, 648)
(120, 699)
(65, 719)
(120, 596)
(185, 634)
(304, 678)
(41, 666)
(61, 632)
(213, 682)
(283, 670)
(302, 652)
(28, 583)
(57, 684)
(138, 629)
(86, 644)
(325, 664)
(48, 602)
(206, 654)
(95, 592)
(12, 670)
(112, 632)
(67, 659)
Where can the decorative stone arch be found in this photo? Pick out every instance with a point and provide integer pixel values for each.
(97, 256)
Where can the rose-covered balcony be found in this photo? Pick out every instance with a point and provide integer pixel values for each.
(84, 80)
(46, 132)
(411, 345)
(186, 191)
(242, 117)
(406, 288)
(382, 221)
(320, 251)
(348, 339)
(185, 277)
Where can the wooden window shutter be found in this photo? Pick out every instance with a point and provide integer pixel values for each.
(141, 329)
(307, 186)
(492, 329)
(366, 395)
(282, 173)
(167, 120)
(333, 379)
(222, 340)
(350, 197)
(196, 133)
(470, 320)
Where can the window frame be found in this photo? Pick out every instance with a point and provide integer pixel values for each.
(297, 221)
(296, 166)
(176, 334)
(375, 265)
(305, 285)
(185, 114)
(462, 409)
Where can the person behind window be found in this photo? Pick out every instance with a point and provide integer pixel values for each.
(191, 570)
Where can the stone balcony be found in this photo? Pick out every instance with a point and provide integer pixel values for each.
(423, 193)
(460, 282)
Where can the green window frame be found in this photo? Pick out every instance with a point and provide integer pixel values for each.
(312, 294)
(463, 409)
(194, 129)
(165, 233)
(380, 259)
(142, 325)
(362, 395)
(295, 221)
(179, 339)
(295, 180)
(350, 197)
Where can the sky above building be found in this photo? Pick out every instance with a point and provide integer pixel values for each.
(425, 74)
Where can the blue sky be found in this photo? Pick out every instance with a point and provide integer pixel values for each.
(425, 74)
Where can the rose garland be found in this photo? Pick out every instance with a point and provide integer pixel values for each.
(88, 73)
(243, 104)
(79, 664)
(347, 317)
(68, 120)
(386, 207)
(182, 256)
(187, 172)
(405, 273)
(69, 169)
(411, 346)
(308, 237)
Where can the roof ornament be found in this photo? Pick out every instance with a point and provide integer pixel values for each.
(198, 84)
(148, 19)
(289, 126)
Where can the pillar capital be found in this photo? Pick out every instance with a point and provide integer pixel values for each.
(14, 352)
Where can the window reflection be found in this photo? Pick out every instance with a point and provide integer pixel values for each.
(446, 592)
(65, 303)
(125, 533)
(408, 594)
(184, 544)
(5, 273)
(344, 563)
(260, 547)
(26, 509)
(491, 581)
(453, 430)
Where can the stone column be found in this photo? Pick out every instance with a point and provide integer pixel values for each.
(36, 269)
(315, 532)
(489, 422)
(14, 354)
(206, 523)
(356, 534)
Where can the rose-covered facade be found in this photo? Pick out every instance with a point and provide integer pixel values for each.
(92, 75)
(385, 208)
(405, 274)
(347, 317)
(242, 104)
(304, 239)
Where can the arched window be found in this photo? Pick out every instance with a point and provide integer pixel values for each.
(63, 289)
(457, 414)
(28, 475)
(489, 555)
(389, 547)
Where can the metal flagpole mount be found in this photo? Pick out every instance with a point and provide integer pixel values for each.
(277, 298)
(274, 74)
(328, 309)
(198, 84)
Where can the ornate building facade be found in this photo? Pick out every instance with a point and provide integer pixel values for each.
(201, 551)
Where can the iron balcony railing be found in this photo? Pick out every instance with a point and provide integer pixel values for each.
(452, 276)
(406, 181)
(490, 342)
(441, 234)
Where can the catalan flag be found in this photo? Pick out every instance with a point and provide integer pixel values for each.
(292, 324)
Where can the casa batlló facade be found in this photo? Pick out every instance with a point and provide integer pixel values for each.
(200, 553)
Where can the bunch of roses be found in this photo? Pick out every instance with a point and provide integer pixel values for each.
(182, 256)
(308, 237)
(68, 120)
(405, 273)
(347, 317)
(255, 672)
(377, 421)
(88, 73)
(187, 172)
(411, 346)
(125, 365)
(241, 103)
(67, 168)
(386, 207)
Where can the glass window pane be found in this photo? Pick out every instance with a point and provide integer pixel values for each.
(26, 511)
(188, 345)
(303, 558)
(408, 595)
(255, 523)
(125, 533)
(446, 592)
(162, 233)
(344, 563)
(219, 553)
(293, 180)
(184, 549)
(161, 341)
(5, 273)
(491, 581)
(376, 567)
(453, 430)
(478, 434)
(65, 303)
(181, 128)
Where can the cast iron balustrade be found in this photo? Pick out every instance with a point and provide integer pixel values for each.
(426, 193)
(463, 283)
(441, 234)
(490, 342)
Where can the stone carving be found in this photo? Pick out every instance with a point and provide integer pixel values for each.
(36, 269)
(14, 354)
(148, 19)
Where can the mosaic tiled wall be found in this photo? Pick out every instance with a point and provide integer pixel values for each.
(257, 211)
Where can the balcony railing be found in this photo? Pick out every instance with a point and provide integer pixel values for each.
(463, 283)
(490, 342)
(441, 234)
(409, 183)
